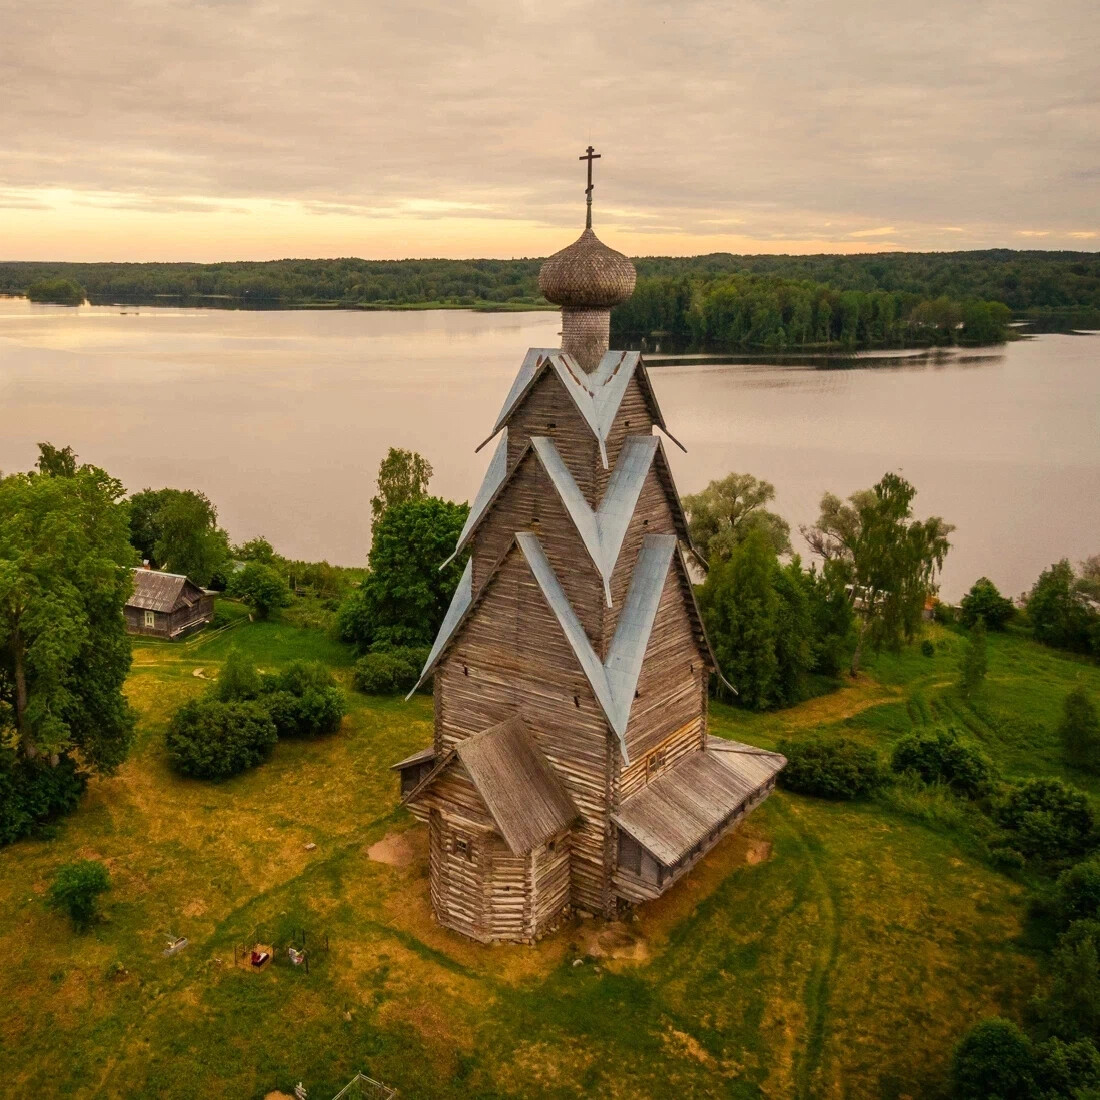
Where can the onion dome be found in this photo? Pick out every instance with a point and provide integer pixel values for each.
(587, 275)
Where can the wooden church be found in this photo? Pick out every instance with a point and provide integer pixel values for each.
(571, 765)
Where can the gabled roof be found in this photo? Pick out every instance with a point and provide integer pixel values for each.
(681, 807)
(603, 530)
(615, 680)
(520, 789)
(156, 591)
(495, 476)
(461, 602)
(596, 395)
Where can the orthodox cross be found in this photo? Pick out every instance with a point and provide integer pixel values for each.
(590, 155)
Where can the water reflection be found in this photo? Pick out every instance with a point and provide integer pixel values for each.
(283, 417)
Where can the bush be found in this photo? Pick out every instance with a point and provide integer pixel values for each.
(209, 739)
(386, 673)
(1046, 819)
(261, 587)
(1077, 893)
(984, 602)
(1079, 731)
(32, 793)
(315, 712)
(830, 768)
(940, 757)
(238, 679)
(927, 648)
(1072, 1010)
(76, 888)
(995, 1061)
(303, 700)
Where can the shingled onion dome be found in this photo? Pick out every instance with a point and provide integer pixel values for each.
(587, 280)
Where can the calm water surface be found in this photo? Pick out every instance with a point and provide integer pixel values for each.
(282, 419)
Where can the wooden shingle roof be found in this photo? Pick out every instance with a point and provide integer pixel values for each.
(519, 787)
(680, 808)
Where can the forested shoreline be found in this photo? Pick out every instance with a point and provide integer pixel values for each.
(714, 302)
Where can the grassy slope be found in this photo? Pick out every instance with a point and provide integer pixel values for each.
(826, 950)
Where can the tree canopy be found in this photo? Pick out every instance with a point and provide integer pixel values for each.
(721, 516)
(177, 529)
(402, 476)
(65, 576)
(888, 559)
(405, 596)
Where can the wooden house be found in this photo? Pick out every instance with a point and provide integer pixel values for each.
(571, 765)
(166, 605)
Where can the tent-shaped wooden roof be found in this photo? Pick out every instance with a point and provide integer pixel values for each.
(518, 785)
(597, 395)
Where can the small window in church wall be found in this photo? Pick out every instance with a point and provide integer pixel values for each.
(462, 847)
(150, 618)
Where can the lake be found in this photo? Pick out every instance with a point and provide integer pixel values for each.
(282, 418)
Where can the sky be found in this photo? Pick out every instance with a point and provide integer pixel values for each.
(255, 129)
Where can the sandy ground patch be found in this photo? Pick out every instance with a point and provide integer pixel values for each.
(615, 940)
(397, 849)
(758, 850)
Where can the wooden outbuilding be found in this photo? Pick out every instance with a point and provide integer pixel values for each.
(167, 605)
(571, 764)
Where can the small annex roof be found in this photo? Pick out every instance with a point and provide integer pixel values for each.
(681, 807)
(597, 395)
(423, 756)
(157, 591)
(523, 794)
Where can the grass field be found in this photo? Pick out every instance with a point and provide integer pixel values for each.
(826, 950)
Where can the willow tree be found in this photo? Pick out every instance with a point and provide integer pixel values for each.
(722, 515)
(888, 559)
(65, 576)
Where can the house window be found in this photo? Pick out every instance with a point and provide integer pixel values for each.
(654, 763)
(462, 847)
(150, 618)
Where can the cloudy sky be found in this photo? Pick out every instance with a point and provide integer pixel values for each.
(231, 129)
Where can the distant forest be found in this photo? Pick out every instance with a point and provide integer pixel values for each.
(719, 301)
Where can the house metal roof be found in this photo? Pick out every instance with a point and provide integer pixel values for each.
(596, 395)
(680, 808)
(167, 592)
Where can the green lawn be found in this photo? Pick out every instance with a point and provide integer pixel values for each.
(825, 950)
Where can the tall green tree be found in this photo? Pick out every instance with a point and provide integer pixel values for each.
(56, 461)
(727, 510)
(888, 559)
(177, 529)
(975, 659)
(402, 476)
(1058, 610)
(1079, 731)
(405, 596)
(65, 576)
(742, 607)
(983, 601)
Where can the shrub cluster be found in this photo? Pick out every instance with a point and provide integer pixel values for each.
(941, 757)
(76, 888)
(830, 768)
(209, 739)
(984, 602)
(1046, 820)
(391, 671)
(236, 725)
(33, 792)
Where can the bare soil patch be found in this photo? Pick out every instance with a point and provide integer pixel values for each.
(396, 849)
